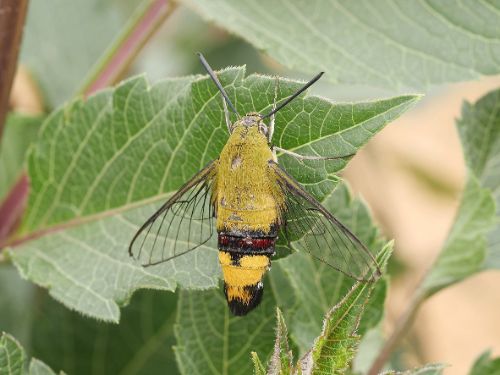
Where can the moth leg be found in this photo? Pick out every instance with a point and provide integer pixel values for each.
(273, 118)
(275, 157)
(309, 157)
(226, 115)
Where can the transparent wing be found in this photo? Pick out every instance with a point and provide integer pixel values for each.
(182, 224)
(308, 226)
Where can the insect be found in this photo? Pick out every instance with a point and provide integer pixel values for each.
(252, 203)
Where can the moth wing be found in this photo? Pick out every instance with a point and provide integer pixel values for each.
(181, 225)
(307, 226)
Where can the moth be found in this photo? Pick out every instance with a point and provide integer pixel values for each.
(252, 203)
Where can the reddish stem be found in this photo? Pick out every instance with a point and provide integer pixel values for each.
(13, 206)
(12, 15)
(128, 45)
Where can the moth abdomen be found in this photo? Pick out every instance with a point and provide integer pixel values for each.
(247, 244)
(242, 300)
(244, 262)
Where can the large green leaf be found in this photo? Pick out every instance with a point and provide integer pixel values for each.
(385, 43)
(63, 40)
(472, 244)
(16, 296)
(101, 167)
(303, 288)
(210, 340)
(141, 344)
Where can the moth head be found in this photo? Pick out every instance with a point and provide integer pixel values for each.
(252, 119)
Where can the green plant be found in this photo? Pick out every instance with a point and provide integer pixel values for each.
(104, 159)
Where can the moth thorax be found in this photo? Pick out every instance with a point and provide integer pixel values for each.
(243, 274)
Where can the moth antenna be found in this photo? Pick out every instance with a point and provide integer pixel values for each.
(212, 75)
(300, 91)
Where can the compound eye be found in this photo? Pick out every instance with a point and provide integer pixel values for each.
(263, 128)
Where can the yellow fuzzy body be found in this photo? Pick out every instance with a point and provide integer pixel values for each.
(247, 196)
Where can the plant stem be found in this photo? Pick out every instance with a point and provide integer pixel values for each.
(403, 324)
(147, 19)
(13, 206)
(12, 16)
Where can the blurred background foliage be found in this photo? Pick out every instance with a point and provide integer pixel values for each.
(411, 175)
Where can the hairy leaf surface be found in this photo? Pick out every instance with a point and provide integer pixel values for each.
(210, 340)
(392, 44)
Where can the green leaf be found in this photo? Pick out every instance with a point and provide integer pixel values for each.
(63, 40)
(431, 369)
(335, 348)
(13, 357)
(281, 362)
(464, 251)
(102, 167)
(210, 340)
(479, 130)
(20, 131)
(258, 366)
(141, 344)
(388, 44)
(473, 244)
(37, 367)
(369, 347)
(485, 365)
(304, 274)
(333, 351)
(16, 295)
